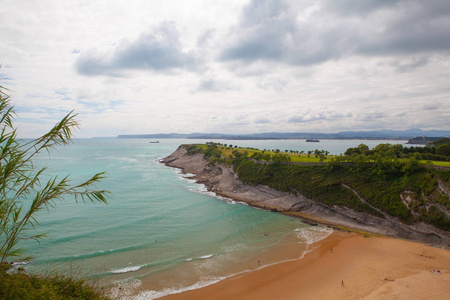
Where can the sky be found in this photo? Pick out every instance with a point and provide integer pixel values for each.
(226, 66)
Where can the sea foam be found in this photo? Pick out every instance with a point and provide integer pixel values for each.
(127, 270)
(313, 234)
(147, 295)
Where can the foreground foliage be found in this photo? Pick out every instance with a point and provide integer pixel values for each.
(22, 194)
(52, 287)
(22, 191)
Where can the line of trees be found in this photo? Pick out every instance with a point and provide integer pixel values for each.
(438, 150)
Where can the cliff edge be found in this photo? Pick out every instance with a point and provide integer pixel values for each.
(222, 180)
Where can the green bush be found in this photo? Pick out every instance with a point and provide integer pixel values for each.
(324, 183)
(192, 149)
(315, 182)
(52, 287)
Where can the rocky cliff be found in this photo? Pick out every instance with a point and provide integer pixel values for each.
(223, 181)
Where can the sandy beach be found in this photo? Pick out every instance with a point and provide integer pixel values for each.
(344, 266)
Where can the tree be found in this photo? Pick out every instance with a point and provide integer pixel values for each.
(266, 157)
(361, 149)
(22, 190)
(237, 154)
(280, 157)
(443, 149)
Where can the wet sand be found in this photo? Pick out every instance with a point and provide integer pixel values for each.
(368, 268)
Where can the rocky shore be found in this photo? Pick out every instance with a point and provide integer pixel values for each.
(224, 182)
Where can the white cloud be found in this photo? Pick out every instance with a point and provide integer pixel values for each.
(227, 66)
(157, 50)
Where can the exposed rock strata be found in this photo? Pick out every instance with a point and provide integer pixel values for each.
(223, 181)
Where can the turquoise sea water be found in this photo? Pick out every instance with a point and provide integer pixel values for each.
(161, 233)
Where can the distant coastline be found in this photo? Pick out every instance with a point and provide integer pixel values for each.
(344, 135)
(422, 140)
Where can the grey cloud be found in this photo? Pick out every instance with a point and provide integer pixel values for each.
(352, 7)
(215, 85)
(271, 31)
(258, 11)
(92, 63)
(411, 64)
(415, 27)
(209, 85)
(432, 106)
(398, 115)
(260, 35)
(158, 50)
(262, 120)
(260, 42)
(370, 116)
(205, 38)
(276, 35)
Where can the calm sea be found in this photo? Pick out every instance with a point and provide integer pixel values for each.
(161, 233)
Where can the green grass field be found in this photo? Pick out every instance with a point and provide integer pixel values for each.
(441, 163)
(295, 157)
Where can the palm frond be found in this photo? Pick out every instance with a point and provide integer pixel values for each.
(20, 182)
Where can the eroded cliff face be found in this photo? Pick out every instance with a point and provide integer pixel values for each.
(224, 182)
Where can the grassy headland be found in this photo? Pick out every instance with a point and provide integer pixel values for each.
(389, 181)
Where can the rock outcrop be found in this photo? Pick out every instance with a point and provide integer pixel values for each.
(224, 182)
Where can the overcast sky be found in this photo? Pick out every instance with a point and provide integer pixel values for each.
(227, 66)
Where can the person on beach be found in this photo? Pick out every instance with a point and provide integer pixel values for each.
(342, 283)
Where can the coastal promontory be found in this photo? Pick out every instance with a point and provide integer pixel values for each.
(411, 204)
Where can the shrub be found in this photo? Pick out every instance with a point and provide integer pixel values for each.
(52, 287)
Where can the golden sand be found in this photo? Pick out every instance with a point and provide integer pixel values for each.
(344, 266)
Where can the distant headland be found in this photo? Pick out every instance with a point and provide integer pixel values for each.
(375, 191)
(343, 135)
(422, 140)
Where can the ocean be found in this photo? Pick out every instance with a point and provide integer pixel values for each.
(161, 233)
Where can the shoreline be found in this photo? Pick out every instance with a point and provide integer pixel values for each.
(369, 267)
(221, 180)
(284, 250)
